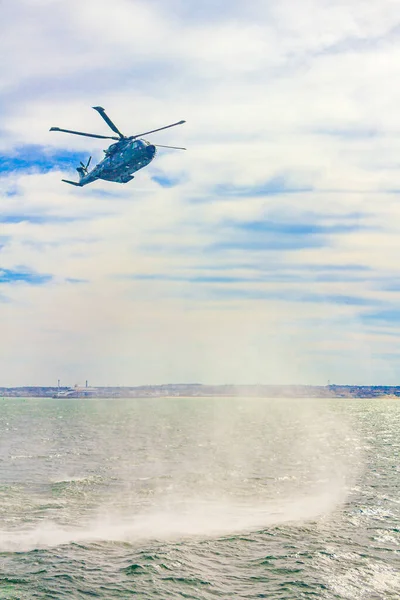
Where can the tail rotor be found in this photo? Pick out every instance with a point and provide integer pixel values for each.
(83, 169)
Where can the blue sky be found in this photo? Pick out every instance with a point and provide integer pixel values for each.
(268, 252)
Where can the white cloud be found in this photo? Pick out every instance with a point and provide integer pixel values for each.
(303, 93)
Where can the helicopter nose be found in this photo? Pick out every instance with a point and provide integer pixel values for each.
(151, 150)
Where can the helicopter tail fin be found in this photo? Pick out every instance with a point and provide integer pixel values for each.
(72, 182)
(82, 172)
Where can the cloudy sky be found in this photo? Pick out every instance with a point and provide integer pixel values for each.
(266, 253)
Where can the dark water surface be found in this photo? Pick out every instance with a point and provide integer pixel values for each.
(199, 498)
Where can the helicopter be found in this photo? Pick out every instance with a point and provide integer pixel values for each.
(126, 156)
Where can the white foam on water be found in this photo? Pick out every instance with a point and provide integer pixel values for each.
(202, 519)
(244, 467)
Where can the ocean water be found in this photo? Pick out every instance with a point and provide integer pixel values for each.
(199, 498)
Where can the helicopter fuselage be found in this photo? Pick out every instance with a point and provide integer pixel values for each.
(121, 160)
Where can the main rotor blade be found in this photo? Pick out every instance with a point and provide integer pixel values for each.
(107, 119)
(93, 135)
(132, 137)
(173, 147)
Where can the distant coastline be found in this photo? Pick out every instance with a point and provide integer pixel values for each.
(196, 390)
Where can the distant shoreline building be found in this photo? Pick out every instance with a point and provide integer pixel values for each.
(200, 390)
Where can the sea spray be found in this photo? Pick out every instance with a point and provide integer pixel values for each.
(197, 467)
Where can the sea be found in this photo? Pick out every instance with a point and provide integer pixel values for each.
(200, 498)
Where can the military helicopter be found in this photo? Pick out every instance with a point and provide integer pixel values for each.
(126, 156)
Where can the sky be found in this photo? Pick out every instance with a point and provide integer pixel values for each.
(268, 252)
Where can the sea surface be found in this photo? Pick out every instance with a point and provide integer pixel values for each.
(199, 498)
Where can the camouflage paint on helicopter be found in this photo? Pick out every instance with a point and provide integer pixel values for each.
(126, 156)
(121, 160)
